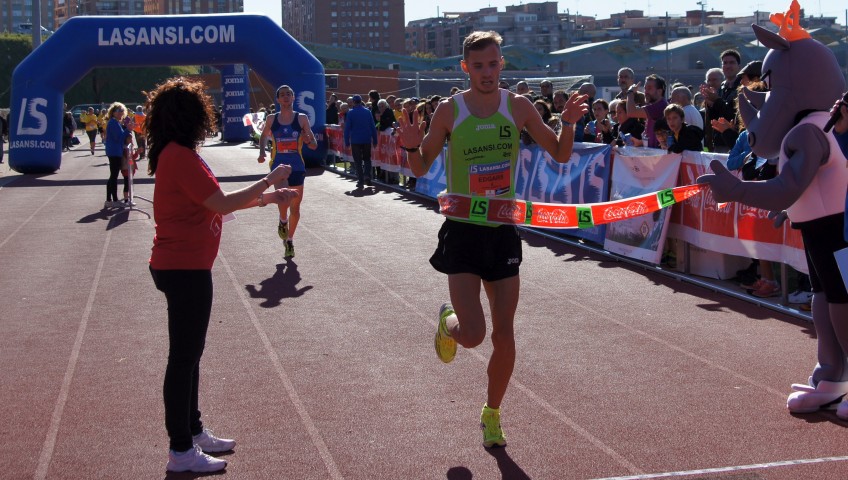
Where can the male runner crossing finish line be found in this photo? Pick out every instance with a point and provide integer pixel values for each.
(483, 124)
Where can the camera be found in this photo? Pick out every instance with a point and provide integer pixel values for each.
(837, 113)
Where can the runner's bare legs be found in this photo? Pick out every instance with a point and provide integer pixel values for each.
(469, 328)
(284, 207)
(294, 210)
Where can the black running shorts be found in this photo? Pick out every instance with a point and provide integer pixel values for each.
(822, 237)
(492, 253)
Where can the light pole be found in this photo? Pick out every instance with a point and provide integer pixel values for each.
(703, 5)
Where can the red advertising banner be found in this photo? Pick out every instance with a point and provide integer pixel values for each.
(733, 229)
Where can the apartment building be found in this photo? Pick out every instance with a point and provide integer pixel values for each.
(376, 25)
(14, 13)
(65, 9)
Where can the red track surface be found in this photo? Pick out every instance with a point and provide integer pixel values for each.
(322, 366)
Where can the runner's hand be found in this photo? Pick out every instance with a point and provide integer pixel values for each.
(261, 158)
(279, 174)
(411, 135)
(575, 108)
(282, 195)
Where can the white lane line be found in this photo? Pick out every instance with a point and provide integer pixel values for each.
(40, 207)
(52, 432)
(314, 434)
(431, 319)
(735, 468)
(665, 343)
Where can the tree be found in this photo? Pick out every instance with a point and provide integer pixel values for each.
(424, 55)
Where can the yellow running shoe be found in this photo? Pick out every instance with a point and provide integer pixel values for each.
(445, 344)
(283, 230)
(490, 423)
(289, 249)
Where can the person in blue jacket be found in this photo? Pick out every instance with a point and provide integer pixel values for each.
(116, 136)
(360, 133)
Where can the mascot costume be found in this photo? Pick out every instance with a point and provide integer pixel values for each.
(788, 122)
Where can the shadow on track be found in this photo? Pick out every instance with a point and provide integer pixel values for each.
(283, 284)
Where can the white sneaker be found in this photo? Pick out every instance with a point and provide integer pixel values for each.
(194, 460)
(117, 204)
(209, 443)
(800, 296)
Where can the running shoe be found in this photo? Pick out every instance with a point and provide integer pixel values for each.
(752, 284)
(800, 296)
(490, 423)
(283, 230)
(209, 443)
(289, 249)
(194, 460)
(767, 289)
(444, 343)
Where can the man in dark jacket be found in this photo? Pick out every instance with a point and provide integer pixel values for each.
(722, 103)
(360, 133)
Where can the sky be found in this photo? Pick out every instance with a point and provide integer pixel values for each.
(417, 9)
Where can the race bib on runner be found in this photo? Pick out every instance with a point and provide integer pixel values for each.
(490, 179)
(286, 146)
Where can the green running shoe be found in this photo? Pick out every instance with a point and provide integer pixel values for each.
(445, 344)
(289, 249)
(490, 423)
(283, 231)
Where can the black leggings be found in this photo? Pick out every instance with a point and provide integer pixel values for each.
(112, 183)
(189, 297)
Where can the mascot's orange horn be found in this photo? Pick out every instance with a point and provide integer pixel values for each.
(790, 28)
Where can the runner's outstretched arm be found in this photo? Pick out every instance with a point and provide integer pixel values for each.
(430, 146)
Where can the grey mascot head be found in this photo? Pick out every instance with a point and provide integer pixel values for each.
(802, 74)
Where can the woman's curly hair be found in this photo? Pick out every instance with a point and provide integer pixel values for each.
(179, 110)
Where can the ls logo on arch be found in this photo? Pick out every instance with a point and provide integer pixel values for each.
(306, 108)
(32, 121)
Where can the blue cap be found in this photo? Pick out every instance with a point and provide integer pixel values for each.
(357, 99)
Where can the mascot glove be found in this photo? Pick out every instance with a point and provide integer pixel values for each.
(726, 187)
(807, 399)
(778, 218)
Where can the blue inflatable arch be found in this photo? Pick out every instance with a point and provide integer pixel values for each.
(82, 43)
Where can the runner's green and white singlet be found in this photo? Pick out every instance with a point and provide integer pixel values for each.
(483, 152)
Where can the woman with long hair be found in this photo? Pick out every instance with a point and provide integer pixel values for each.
(116, 136)
(187, 209)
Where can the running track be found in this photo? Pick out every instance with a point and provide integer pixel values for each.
(322, 367)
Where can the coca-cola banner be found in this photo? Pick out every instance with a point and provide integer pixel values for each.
(584, 179)
(335, 143)
(642, 237)
(733, 229)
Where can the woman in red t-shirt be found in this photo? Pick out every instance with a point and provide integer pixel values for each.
(187, 208)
